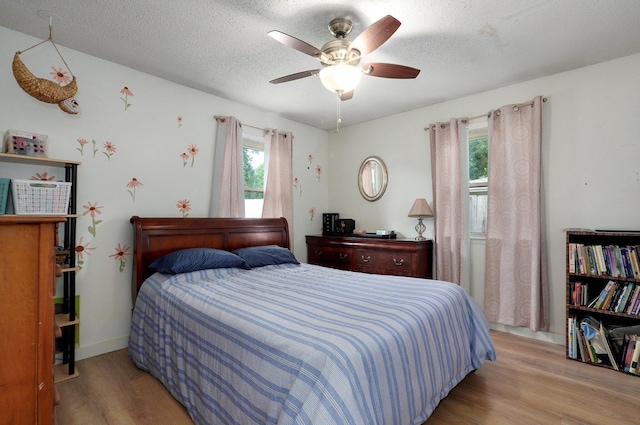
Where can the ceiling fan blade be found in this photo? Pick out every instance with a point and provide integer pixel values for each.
(295, 76)
(346, 96)
(295, 43)
(390, 70)
(375, 35)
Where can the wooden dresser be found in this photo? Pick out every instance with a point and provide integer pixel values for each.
(26, 305)
(402, 257)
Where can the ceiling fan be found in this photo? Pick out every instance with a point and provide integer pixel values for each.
(341, 58)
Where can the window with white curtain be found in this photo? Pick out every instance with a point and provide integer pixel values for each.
(254, 168)
(478, 178)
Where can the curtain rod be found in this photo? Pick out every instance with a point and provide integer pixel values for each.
(544, 99)
(217, 118)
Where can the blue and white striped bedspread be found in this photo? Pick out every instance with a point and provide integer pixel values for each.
(303, 344)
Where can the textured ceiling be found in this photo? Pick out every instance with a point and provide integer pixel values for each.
(461, 46)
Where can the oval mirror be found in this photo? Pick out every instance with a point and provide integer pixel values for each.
(372, 178)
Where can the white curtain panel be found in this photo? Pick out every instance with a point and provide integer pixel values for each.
(516, 281)
(278, 192)
(227, 189)
(450, 177)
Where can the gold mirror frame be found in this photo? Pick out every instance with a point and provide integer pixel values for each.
(372, 178)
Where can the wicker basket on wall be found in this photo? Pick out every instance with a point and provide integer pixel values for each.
(46, 90)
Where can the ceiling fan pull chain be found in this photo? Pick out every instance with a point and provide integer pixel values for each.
(338, 117)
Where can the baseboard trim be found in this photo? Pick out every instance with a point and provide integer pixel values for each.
(528, 333)
(86, 351)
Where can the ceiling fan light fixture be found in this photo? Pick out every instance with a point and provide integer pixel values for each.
(340, 78)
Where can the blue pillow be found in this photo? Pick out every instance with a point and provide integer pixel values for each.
(258, 256)
(193, 259)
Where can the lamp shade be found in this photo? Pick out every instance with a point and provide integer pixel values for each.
(340, 78)
(420, 209)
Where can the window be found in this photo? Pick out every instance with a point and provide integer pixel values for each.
(253, 158)
(478, 179)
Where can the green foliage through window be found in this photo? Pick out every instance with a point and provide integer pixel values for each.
(478, 158)
(253, 160)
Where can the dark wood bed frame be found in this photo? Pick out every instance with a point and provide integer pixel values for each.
(155, 237)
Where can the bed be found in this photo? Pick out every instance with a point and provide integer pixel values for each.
(275, 342)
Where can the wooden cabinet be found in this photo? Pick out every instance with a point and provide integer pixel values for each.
(602, 285)
(401, 257)
(26, 307)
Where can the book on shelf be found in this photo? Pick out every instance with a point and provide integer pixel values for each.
(571, 332)
(610, 296)
(610, 260)
(632, 299)
(635, 307)
(605, 337)
(580, 258)
(572, 257)
(580, 340)
(624, 297)
(633, 367)
(603, 294)
(617, 297)
(627, 351)
(635, 261)
(598, 255)
(596, 342)
(613, 263)
(579, 294)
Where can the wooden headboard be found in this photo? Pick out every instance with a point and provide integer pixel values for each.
(155, 237)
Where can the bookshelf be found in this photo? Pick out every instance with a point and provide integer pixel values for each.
(67, 317)
(603, 299)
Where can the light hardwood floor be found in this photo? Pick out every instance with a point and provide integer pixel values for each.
(530, 383)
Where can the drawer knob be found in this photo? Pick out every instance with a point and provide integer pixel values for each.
(343, 256)
(318, 253)
(366, 260)
(398, 263)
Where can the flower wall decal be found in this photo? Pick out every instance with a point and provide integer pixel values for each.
(43, 177)
(82, 142)
(110, 149)
(95, 149)
(121, 255)
(184, 206)
(297, 185)
(191, 152)
(132, 185)
(185, 159)
(318, 172)
(179, 121)
(82, 249)
(126, 93)
(92, 210)
(312, 213)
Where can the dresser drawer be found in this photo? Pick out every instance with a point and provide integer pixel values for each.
(332, 256)
(384, 262)
(402, 257)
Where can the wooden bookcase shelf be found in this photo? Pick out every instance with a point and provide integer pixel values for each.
(68, 319)
(597, 261)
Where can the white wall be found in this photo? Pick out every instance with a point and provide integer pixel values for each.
(591, 152)
(148, 145)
